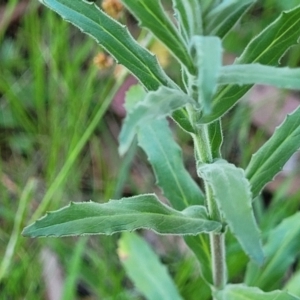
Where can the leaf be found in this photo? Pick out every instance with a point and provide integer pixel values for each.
(188, 14)
(232, 194)
(266, 48)
(143, 267)
(152, 16)
(293, 284)
(114, 38)
(272, 156)
(166, 159)
(281, 249)
(155, 105)
(286, 78)
(208, 57)
(208, 5)
(165, 156)
(127, 214)
(180, 116)
(223, 17)
(242, 292)
(215, 138)
(200, 245)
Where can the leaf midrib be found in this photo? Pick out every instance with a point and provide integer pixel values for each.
(185, 200)
(104, 29)
(278, 148)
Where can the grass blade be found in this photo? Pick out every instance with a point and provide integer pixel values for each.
(7, 258)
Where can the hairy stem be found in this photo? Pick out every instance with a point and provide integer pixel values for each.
(217, 244)
(204, 154)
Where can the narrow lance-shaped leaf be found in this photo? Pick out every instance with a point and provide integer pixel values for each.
(286, 78)
(189, 16)
(113, 37)
(293, 284)
(165, 156)
(207, 52)
(231, 191)
(243, 292)
(272, 156)
(223, 17)
(166, 159)
(144, 268)
(215, 138)
(152, 16)
(155, 105)
(200, 245)
(127, 214)
(281, 249)
(180, 116)
(208, 5)
(266, 48)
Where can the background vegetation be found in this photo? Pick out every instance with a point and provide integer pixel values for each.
(58, 143)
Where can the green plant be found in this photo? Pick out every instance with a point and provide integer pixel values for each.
(207, 91)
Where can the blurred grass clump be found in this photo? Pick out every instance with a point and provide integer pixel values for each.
(58, 143)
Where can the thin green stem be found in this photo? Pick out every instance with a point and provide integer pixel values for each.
(217, 243)
(217, 247)
(205, 154)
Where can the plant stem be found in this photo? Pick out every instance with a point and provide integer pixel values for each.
(204, 154)
(217, 244)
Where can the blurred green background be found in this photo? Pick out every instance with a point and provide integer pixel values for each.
(58, 143)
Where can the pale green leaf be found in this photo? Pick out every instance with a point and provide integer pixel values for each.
(178, 186)
(207, 52)
(286, 78)
(113, 37)
(281, 249)
(200, 245)
(189, 16)
(267, 48)
(180, 116)
(243, 292)
(165, 157)
(155, 105)
(152, 16)
(232, 193)
(215, 137)
(134, 95)
(144, 268)
(208, 5)
(272, 156)
(223, 17)
(293, 285)
(127, 214)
